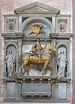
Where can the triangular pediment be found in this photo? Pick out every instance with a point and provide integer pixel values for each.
(36, 8)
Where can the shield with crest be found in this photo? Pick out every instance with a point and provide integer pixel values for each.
(62, 24)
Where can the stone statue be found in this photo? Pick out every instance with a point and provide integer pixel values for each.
(10, 63)
(62, 64)
(36, 48)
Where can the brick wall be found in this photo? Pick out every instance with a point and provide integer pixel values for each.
(8, 6)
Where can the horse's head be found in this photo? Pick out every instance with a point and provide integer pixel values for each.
(50, 48)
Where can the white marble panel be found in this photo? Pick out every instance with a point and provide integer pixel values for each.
(10, 91)
(61, 90)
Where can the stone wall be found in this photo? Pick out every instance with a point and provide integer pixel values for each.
(73, 59)
(8, 6)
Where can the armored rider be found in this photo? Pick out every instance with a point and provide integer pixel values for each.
(36, 48)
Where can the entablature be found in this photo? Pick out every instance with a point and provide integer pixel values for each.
(61, 35)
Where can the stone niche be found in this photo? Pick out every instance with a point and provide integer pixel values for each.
(25, 78)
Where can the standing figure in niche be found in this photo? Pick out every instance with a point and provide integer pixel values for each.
(36, 49)
(10, 63)
(62, 64)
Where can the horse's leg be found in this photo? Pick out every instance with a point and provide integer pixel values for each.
(27, 69)
(30, 33)
(23, 65)
(52, 71)
(44, 68)
(38, 67)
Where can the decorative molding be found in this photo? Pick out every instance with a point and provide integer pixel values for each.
(18, 34)
(61, 35)
(63, 15)
(36, 8)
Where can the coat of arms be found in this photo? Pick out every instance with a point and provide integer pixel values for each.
(62, 24)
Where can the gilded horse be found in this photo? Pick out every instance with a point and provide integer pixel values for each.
(45, 60)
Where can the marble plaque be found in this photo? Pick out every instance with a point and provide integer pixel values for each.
(36, 88)
(10, 91)
(61, 90)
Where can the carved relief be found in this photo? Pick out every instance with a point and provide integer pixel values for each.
(38, 56)
(36, 29)
(62, 24)
(11, 22)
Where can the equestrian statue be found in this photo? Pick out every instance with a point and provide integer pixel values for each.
(38, 56)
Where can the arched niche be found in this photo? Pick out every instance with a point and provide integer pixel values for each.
(12, 48)
(62, 47)
(47, 25)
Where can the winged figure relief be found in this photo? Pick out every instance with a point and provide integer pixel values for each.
(36, 29)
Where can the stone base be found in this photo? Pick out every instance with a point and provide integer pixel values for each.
(36, 89)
